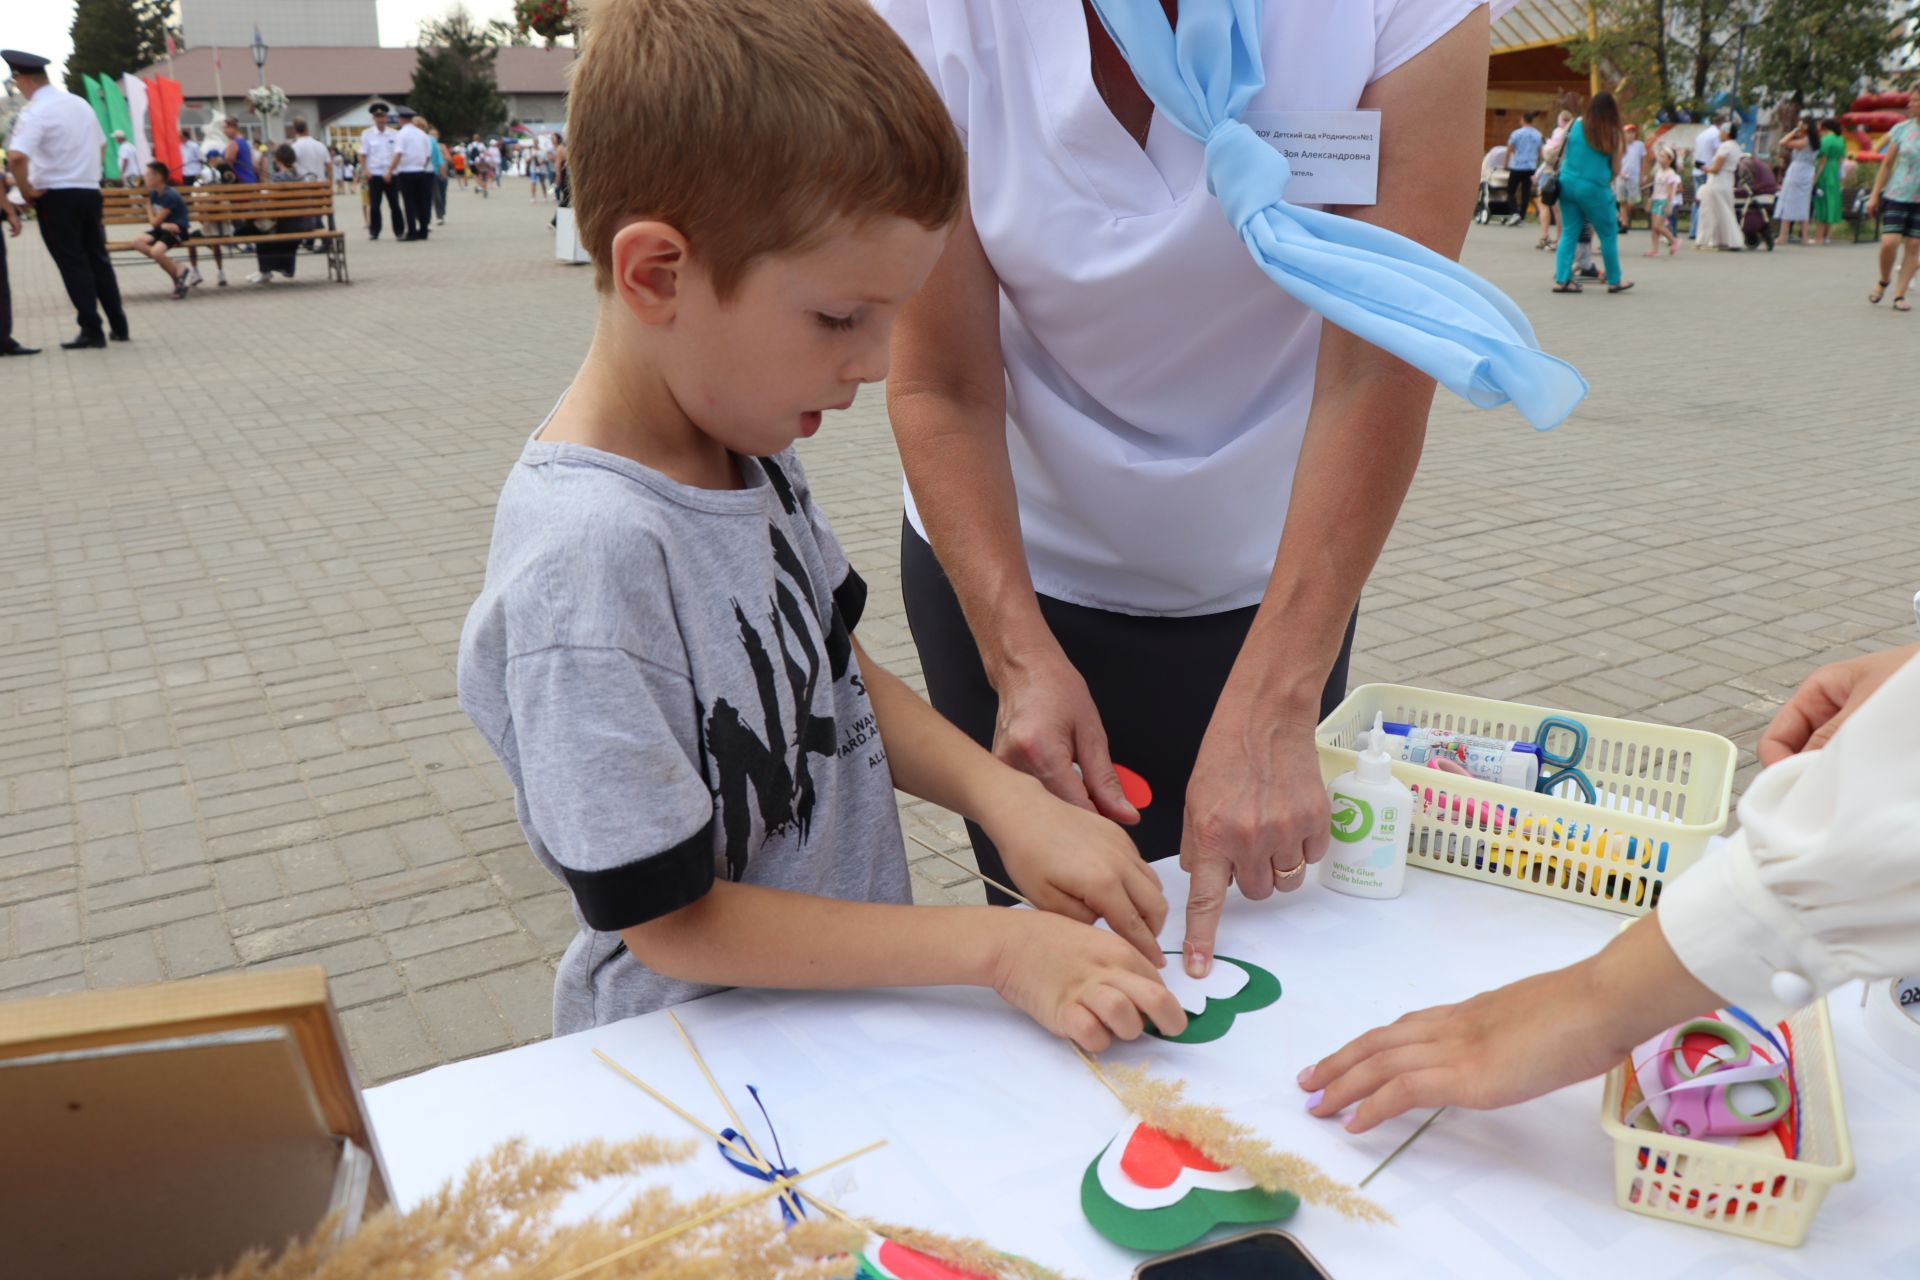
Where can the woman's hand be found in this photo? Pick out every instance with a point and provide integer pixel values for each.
(1825, 700)
(1525, 1039)
(1047, 724)
(1256, 815)
(1077, 864)
(1080, 983)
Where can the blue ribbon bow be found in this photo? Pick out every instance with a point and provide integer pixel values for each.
(791, 1208)
(1380, 286)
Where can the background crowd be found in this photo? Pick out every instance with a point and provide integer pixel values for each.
(1591, 176)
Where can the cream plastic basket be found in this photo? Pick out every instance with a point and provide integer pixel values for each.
(1762, 1197)
(1663, 793)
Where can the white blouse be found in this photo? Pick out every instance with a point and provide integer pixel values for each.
(1821, 884)
(1157, 383)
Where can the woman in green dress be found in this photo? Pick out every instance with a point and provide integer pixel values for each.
(1827, 207)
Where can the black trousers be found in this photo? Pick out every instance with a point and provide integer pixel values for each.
(1155, 681)
(416, 193)
(70, 226)
(377, 189)
(1519, 191)
(6, 293)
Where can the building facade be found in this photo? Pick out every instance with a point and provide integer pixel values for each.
(230, 24)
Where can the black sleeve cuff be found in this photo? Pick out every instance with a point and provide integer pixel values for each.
(850, 598)
(623, 897)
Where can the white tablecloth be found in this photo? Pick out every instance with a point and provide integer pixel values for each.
(990, 1123)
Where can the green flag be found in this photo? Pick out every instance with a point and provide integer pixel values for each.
(97, 98)
(121, 117)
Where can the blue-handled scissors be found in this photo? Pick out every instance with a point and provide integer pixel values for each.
(1558, 767)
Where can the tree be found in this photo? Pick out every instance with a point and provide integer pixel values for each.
(1632, 47)
(1817, 52)
(113, 37)
(508, 34)
(453, 81)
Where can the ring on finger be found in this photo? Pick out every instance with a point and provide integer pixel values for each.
(1293, 872)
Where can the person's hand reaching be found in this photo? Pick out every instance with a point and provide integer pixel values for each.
(1825, 700)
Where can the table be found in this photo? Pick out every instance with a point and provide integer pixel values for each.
(991, 1123)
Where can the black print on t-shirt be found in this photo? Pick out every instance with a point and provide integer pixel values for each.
(775, 766)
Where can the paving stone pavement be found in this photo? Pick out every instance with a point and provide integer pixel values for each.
(235, 556)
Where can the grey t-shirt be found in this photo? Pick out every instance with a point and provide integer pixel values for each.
(667, 674)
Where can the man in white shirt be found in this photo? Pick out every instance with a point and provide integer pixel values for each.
(1703, 148)
(309, 156)
(192, 165)
(1626, 184)
(412, 168)
(55, 156)
(378, 147)
(129, 160)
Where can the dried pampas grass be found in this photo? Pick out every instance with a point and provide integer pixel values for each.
(975, 1257)
(1224, 1140)
(495, 1224)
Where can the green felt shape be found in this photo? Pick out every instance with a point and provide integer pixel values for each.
(1216, 1019)
(1181, 1223)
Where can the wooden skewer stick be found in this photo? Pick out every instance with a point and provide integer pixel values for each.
(1397, 1150)
(1098, 1074)
(739, 1125)
(973, 871)
(780, 1185)
(696, 1122)
(674, 1107)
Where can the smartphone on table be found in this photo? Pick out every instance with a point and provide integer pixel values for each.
(1257, 1255)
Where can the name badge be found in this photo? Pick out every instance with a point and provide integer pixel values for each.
(1335, 155)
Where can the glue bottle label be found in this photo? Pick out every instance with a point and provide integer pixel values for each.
(1378, 863)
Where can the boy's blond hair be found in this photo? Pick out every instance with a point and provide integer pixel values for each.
(751, 125)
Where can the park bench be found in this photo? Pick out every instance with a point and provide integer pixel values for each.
(227, 204)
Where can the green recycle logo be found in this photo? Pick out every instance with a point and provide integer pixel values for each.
(1352, 819)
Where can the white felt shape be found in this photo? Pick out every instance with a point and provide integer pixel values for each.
(1115, 1182)
(1223, 983)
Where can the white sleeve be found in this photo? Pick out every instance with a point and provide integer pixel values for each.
(939, 34)
(1404, 28)
(26, 133)
(1822, 882)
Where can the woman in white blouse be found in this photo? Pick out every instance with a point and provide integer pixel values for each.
(1821, 885)
(1155, 485)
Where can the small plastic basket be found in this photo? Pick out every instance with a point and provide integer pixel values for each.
(1743, 1193)
(1663, 793)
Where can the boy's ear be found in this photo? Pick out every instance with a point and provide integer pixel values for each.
(649, 266)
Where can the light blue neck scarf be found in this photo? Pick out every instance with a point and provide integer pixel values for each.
(1378, 285)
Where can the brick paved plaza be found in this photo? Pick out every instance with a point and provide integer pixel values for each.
(235, 556)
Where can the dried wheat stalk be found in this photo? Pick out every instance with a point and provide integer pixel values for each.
(495, 1224)
(1224, 1140)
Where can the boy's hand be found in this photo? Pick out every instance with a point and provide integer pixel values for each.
(1826, 699)
(1079, 982)
(1075, 863)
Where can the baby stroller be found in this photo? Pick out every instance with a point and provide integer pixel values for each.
(1755, 189)
(1494, 202)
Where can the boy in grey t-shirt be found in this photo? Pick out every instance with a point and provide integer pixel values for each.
(670, 669)
(662, 656)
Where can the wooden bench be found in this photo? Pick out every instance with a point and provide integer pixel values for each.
(224, 205)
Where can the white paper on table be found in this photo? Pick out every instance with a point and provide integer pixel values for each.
(991, 1123)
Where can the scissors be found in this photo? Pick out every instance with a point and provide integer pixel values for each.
(1697, 1101)
(1557, 767)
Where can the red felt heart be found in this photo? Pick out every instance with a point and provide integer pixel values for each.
(911, 1265)
(1154, 1159)
(1134, 787)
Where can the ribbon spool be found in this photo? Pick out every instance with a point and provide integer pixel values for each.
(1893, 1020)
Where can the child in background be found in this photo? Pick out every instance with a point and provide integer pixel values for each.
(663, 653)
(167, 226)
(1666, 198)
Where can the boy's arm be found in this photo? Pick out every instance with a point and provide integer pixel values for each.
(1064, 858)
(1075, 981)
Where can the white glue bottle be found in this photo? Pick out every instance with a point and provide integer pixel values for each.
(1367, 855)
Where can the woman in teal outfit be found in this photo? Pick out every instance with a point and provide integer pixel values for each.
(1828, 209)
(1588, 164)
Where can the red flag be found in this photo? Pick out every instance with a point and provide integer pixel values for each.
(170, 49)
